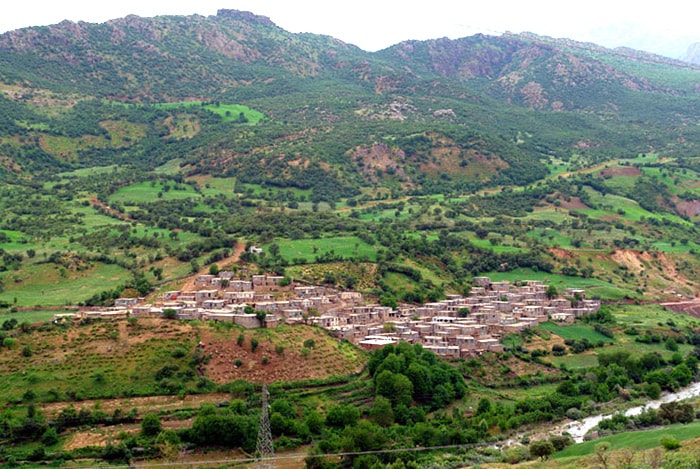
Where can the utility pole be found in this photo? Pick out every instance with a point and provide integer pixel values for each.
(264, 450)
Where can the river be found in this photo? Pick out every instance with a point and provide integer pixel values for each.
(578, 428)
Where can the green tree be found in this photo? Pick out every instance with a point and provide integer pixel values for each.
(395, 387)
(151, 425)
(50, 437)
(381, 412)
(340, 416)
(542, 449)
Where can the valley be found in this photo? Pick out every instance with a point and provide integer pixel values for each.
(538, 196)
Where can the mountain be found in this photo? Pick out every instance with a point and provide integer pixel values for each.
(164, 57)
(229, 127)
(468, 96)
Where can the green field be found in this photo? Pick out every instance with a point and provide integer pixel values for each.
(309, 249)
(150, 191)
(651, 316)
(575, 332)
(31, 317)
(49, 285)
(593, 287)
(18, 241)
(633, 440)
(228, 112)
(576, 361)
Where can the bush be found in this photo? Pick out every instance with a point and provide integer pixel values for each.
(541, 449)
(516, 455)
(151, 425)
(669, 442)
(254, 344)
(50, 437)
(561, 441)
(309, 343)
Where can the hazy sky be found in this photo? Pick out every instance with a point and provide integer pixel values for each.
(667, 27)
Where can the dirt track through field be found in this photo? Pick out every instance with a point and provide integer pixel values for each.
(691, 307)
(238, 249)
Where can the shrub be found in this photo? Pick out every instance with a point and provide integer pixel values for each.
(669, 442)
(516, 455)
(151, 425)
(238, 362)
(265, 360)
(561, 441)
(309, 343)
(50, 437)
(541, 449)
(254, 344)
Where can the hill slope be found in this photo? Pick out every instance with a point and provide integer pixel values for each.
(140, 149)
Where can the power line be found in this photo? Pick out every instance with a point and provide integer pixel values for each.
(289, 456)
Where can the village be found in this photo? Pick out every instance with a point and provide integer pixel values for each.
(457, 327)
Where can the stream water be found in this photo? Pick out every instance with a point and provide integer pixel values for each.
(577, 429)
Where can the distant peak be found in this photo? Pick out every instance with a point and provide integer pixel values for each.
(245, 16)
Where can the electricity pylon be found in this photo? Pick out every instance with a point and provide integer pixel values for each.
(264, 450)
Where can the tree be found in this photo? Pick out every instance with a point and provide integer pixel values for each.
(552, 292)
(381, 412)
(214, 269)
(395, 387)
(50, 437)
(542, 449)
(340, 416)
(151, 425)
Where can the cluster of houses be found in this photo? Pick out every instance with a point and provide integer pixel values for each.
(458, 326)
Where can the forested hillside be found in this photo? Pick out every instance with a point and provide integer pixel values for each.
(151, 145)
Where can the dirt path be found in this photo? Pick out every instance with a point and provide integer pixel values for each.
(97, 204)
(144, 404)
(238, 249)
(691, 307)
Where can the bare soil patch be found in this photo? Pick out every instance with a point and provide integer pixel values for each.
(561, 253)
(620, 171)
(689, 208)
(276, 359)
(143, 404)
